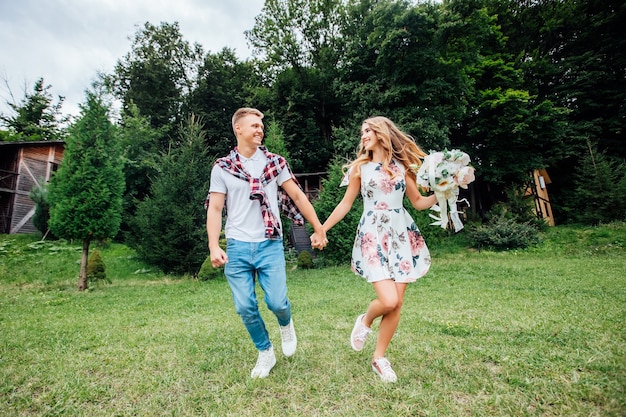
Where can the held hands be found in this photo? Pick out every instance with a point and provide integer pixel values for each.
(319, 240)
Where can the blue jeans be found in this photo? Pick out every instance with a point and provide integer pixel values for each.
(266, 262)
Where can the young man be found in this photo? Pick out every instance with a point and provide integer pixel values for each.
(249, 183)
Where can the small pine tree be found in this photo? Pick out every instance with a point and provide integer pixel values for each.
(85, 194)
(274, 140)
(96, 269)
(599, 194)
(140, 143)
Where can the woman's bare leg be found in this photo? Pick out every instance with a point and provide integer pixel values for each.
(388, 304)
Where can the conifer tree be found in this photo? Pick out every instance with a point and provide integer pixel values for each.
(598, 194)
(169, 227)
(85, 194)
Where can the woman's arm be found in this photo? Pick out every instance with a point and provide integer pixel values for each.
(415, 197)
(344, 206)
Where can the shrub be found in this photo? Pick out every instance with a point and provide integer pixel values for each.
(208, 272)
(519, 208)
(502, 233)
(39, 194)
(96, 269)
(305, 260)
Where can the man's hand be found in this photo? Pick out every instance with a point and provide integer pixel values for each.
(218, 258)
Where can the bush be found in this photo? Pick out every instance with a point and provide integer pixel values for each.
(96, 269)
(502, 233)
(519, 208)
(39, 194)
(208, 272)
(305, 260)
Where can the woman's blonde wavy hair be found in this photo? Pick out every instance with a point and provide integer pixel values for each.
(397, 144)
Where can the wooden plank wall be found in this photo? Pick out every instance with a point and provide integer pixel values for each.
(35, 166)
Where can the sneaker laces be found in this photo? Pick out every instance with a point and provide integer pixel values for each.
(362, 333)
(265, 359)
(287, 333)
(383, 365)
(383, 368)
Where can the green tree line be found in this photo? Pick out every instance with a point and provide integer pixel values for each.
(518, 85)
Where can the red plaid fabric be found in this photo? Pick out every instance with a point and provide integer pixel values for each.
(275, 164)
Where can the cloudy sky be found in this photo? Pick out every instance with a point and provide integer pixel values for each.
(67, 42)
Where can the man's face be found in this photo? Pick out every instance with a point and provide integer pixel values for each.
(250, 130)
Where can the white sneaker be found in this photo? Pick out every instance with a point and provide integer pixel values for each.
(359, 334)
(288, 336)
(383, 368)
(264, 363)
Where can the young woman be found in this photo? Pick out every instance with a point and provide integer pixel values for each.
(389, 250)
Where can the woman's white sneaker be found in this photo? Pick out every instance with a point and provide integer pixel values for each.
(383, 368)
(359, 334)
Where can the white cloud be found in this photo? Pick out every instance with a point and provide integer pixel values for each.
(67, 42)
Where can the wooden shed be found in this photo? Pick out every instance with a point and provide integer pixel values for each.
(24, 165)
(539, 191)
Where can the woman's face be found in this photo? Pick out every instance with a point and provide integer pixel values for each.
(368, 138)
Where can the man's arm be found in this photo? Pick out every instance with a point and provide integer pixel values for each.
(214, 228)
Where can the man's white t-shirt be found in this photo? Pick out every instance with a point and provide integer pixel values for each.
(244, 220)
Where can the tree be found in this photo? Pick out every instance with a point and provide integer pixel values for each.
(508, 131)
(274, 140)
(85, 194)
(599, 192)
(299, 33)
(223, 85)
(394, 66)
(140, 148)
(303, 47)
(37, 117)
(157, 73)
(169, 226)
(572, 54)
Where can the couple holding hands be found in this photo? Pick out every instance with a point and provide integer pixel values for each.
(255, 186)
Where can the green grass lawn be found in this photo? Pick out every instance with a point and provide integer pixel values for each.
(538, 332)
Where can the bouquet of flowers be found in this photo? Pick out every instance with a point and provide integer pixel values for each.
(444, 172)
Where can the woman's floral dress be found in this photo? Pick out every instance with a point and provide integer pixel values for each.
(388, 243)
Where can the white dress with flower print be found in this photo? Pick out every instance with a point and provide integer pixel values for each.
(388, 243)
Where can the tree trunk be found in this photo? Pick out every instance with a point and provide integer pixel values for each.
(82, 279)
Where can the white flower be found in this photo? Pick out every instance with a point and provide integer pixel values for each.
(444, 172)
(464, 176)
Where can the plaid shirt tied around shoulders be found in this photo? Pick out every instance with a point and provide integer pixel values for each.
(275, 164)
